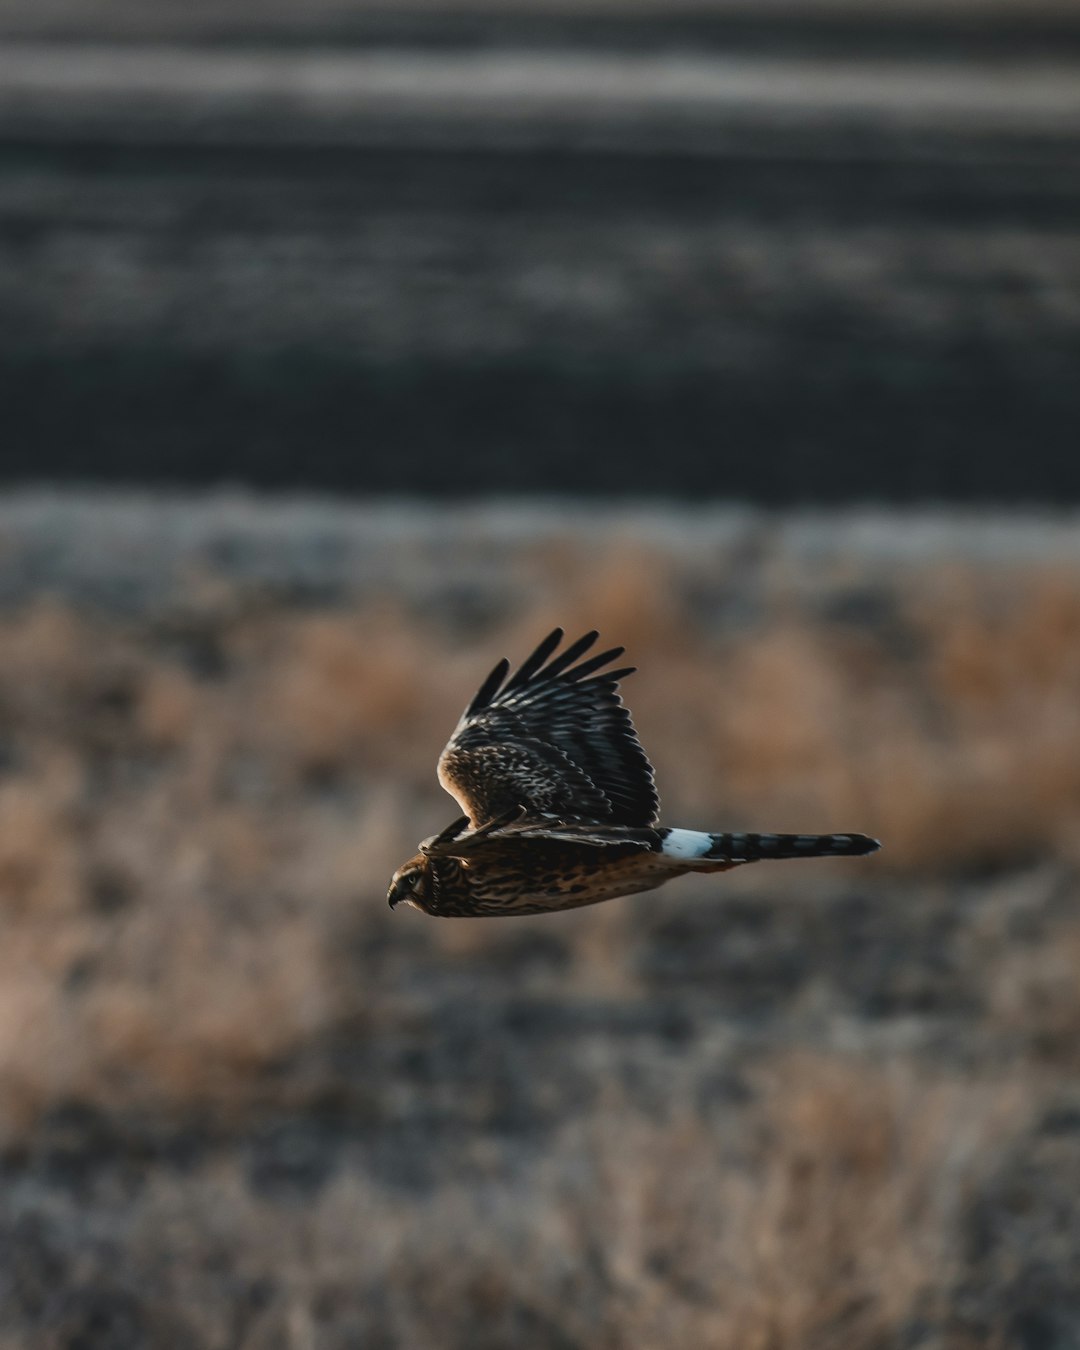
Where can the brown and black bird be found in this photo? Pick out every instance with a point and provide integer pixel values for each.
(560, 801)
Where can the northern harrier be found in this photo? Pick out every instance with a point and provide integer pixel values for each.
(561, 807)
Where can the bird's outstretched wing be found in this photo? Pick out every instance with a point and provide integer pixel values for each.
(554, 739)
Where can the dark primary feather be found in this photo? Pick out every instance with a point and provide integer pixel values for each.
(554, 738)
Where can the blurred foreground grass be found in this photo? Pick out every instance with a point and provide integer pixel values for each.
(241, 1104)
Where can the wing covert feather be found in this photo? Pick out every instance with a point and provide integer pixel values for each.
(555, 738)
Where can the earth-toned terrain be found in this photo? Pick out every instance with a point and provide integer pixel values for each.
(801, 1107)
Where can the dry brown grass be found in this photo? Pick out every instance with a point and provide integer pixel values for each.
(822, 1220)
(148, 809)
(193, 854)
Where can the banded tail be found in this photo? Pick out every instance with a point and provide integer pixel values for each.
(691, 846)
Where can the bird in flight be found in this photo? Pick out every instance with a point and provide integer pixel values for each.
(560, 801)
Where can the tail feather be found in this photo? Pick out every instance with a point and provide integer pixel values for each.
(692, 846)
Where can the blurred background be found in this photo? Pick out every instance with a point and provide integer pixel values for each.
(349, 348)
(805, 250)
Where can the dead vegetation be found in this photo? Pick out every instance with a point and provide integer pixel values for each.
(758, 1119)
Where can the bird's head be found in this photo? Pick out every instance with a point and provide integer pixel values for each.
(411, 884)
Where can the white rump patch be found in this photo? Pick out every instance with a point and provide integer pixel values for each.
(687, 844)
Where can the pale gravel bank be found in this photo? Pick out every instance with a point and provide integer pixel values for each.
(154, 88)
(137, 551)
